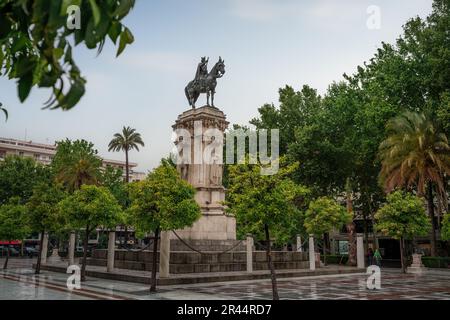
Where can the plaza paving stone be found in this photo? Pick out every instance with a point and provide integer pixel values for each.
(19, 282)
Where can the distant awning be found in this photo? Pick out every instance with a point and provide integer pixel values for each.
(14, 242)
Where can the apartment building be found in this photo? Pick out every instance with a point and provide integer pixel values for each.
(44, 153)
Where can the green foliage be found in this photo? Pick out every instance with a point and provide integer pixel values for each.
(42, 208)
(336, 259)
(35, 46)
(436, 262)
(403, 216)
(163, 200)
(13, 224)
(112, 178)
(76, 163)
(337, 136)
(19, 175)
(445, 230)
(91, 207)
(324, 215)
(257, 200)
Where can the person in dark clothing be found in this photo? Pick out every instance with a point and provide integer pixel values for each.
(370, 256)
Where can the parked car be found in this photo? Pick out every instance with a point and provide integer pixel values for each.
(13, 252)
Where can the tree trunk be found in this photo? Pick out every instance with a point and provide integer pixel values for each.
(350, 230)
(126, 236)
(127, 172)
(270, 263)
(433, 224)
(366, 235)
(402, 253)
(5, 265)
(155, 257)
(38, 263)
(351, 244)
(325, 247)
(85, 247)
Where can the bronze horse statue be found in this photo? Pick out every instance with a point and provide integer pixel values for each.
(205, 82)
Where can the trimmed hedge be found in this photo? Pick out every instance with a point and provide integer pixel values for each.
(77, 254)
(436, 262)
(336, 259)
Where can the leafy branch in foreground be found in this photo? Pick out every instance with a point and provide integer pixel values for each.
(35, 49)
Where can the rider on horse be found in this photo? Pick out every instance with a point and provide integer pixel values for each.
(202, 71)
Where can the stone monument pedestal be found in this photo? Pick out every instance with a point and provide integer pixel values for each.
(417, 265)
(199, 140)
(54, 258)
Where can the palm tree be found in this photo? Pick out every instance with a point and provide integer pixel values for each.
(416, 154)
(79, 173)
(127, 140)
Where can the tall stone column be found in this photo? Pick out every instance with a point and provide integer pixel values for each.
(44, 249)
(111, 250)
(164, 255)
(249, 253)
(299, 243)
(71, 253)
(360, 251)
(312, 256)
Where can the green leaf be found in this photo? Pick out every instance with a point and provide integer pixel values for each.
(123, 8)
(68, 55)
(58, 53)
(5, 26)
(114, 31)
(95, 11)
(24, 86)
(19, 44)
(89, 37)
(74, 95)
(126, 37)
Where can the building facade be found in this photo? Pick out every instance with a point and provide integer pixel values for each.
(44, 153)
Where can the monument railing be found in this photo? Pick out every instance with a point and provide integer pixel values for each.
(202, 252)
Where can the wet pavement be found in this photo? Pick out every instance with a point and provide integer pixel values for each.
(20, 282)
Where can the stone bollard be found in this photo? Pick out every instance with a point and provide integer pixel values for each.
(299, 244)
(360, 257)
(164, 255)
(111, 251)
(417, 265)
(312, 258)
(54, 258)
(71, 253)
(249, 253)
(44, 249)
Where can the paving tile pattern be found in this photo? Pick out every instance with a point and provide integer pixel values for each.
(19, 282)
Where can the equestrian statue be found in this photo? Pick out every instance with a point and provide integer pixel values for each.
(204, 82)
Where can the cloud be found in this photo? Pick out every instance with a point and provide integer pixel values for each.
(264, 10)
